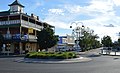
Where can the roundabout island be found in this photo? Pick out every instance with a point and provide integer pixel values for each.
(53, 58)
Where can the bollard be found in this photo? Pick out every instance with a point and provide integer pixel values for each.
(101, 51)
(109, 52)
(115, 52)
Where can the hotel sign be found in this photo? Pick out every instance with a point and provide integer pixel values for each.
(18, 37)
(30, 30)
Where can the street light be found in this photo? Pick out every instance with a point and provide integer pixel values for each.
(77, 30)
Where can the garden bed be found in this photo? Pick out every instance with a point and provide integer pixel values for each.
(51, 55)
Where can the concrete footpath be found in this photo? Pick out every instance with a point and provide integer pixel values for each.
(53, 61)
(112, 53)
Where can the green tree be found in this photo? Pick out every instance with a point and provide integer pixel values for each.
(1, 38)
(46, 38)
(106, 41)
(118, 41)
(88, 40)
(116, 44)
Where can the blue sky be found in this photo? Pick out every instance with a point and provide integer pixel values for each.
(98, 15)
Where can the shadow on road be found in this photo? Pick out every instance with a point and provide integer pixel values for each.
(115, 58)
(94, 55)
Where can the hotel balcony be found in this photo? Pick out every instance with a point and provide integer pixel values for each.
(18, 37)
(23, 23)
(10, 22)
(31, 25)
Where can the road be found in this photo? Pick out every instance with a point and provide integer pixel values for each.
(99, 64)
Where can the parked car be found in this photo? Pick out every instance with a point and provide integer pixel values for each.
(64, 49)
(78, 50)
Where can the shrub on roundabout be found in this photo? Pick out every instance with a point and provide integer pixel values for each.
(51, 55)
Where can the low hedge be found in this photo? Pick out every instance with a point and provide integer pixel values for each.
(51, 55)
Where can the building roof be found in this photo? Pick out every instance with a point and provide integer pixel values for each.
(16, 2)
(62, 36)
(4, 13)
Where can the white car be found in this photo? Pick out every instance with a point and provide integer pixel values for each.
(64, 49)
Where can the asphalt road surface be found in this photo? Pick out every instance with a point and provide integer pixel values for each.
(99, 64)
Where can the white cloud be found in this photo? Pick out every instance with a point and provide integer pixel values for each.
(104, 31)
(73, 8)
(116, 2)
(110, 25)
(38, 4)
(99, 7)
(56, 11)
(56, 23)
(101, 11)
(95, 8)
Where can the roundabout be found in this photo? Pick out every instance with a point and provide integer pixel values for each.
(54, 61)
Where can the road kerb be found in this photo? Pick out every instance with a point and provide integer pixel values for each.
(54, 61)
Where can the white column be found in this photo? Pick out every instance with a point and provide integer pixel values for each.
(20, 46)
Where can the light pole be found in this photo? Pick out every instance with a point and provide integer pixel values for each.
(77, 33)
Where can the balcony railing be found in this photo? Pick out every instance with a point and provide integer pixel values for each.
(9, 22)
(31, 25)
(23, 23)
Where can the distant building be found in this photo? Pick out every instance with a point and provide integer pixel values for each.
(65, 43)
(19, 29)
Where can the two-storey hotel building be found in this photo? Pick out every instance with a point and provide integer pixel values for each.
(19, 29)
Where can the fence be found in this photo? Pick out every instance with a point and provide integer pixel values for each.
(110, 52)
